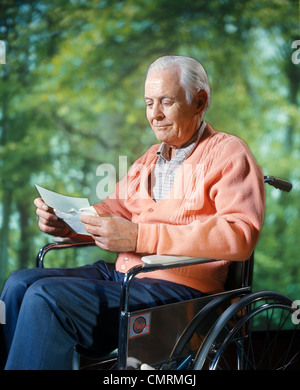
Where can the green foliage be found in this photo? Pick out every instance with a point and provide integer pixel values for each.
(71, 98)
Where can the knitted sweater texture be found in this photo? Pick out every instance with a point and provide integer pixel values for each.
(215, 210)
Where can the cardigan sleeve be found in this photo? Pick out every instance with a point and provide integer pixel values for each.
(237, 194)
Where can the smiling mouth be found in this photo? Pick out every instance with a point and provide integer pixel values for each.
(162, 127)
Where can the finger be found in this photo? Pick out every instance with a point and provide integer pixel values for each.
(95, 220)
(46, 215)
(54, 230)
(56, 223)
(101, 242)
(39, 203)
(93, 230)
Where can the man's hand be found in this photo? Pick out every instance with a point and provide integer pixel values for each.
(111, 232)
(48, 222)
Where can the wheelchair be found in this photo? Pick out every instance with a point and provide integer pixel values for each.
(234, 330)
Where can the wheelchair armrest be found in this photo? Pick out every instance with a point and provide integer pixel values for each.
(58, 245)
(165, 259)
(155, 263)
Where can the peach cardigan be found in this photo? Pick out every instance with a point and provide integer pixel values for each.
(215, 209)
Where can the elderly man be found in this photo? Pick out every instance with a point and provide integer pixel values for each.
(197, 193)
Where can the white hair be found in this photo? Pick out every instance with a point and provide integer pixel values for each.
(193, 77)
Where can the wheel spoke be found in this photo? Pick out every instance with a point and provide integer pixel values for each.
(270, 316)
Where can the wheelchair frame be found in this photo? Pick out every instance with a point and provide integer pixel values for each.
(231, 310)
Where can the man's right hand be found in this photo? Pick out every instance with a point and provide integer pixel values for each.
(48, 222)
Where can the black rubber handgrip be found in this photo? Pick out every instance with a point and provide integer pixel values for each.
(283, 185)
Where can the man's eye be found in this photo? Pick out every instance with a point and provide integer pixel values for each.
(167, 102)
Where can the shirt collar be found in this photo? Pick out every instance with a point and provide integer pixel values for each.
(186, 150)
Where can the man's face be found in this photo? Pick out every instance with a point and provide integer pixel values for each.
(171, 118)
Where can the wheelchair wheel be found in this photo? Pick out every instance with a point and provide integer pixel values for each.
(260, 331)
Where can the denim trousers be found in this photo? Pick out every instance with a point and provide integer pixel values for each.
(50, 311)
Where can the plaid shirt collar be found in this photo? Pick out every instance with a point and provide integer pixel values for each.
(186, 150)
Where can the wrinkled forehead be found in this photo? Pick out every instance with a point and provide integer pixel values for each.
(164, 82)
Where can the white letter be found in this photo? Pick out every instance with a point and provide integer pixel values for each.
(106, 380)
(107, 184)
(148, 380)
(2, 313)
(295, 58)
(123, 177)
(138, 188)
(133, 381)
(296, 314)
(2, 53)
(192, 186)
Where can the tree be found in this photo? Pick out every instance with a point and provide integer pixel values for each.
(72, 98)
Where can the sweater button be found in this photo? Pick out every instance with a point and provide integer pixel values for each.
(150, 210)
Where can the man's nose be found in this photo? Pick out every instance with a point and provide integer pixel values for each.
(157, 112)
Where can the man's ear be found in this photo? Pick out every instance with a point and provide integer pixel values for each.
(201, 100)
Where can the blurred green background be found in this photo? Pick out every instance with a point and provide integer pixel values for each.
(71, 98)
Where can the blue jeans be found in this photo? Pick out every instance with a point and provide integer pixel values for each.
(49, 311)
